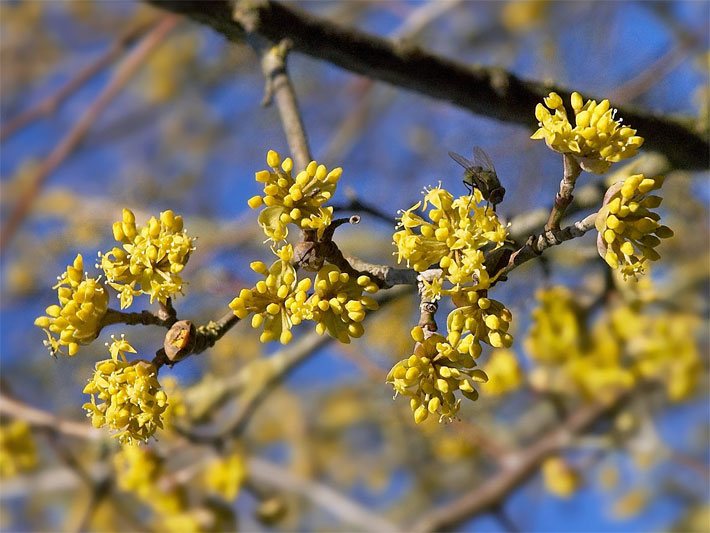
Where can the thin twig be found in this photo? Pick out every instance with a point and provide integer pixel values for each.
(66, 146)
(145, 318)
(535, 245)
(564, 197)
(42, 419)
(52, 102)
(325, 497)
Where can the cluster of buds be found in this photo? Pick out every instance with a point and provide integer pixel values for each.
(595, 140)
(150, 259)
(433, 373)
(338, 305)
(628, 230)
(276, 301)
(76, 321)
(481, 319)
(298, 200)
(126, 396)
(280, 301)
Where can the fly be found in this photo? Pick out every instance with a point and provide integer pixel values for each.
(481, 174)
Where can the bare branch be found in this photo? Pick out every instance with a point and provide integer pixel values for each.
(323, 496)
(66, 146)
(43, 419)
(521, 466)
(50, 104)
(486, 91)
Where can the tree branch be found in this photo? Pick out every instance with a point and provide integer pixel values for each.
(522, 465)
(486, 91)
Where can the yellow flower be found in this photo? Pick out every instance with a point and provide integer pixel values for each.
(77, 319)
(454, 236)
(559, 477)
(137, 469)
(522, 16)
(125, 396)
(150, 259)
(224, 476)
(557, 331)
(18, 452)
(338, 306)
(628, 229)
(484, 319)
(596, 139)
(667, 351)
(177, 407)
(298, 200)
(432, 374)
(277, 301)
(503, 371)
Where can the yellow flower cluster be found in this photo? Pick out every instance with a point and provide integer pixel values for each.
(298, 200)
(224, 476)
(596, 139)
(126, 396)
(18, 452)
(276, 301)
(433, 373)
(453, 237)
(557, 331)
(338, 306)
(628, 230)
(280, 301)
(623, 346)
(77, 319)
(150, 259)
(504, 373)
(484, 319)
(141, 472)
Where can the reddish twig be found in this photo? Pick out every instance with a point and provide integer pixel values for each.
(66, 146)
(52, 102)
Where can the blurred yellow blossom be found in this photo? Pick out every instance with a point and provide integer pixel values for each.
(631, 503)
(628, 229)
(126, 397)
(298, 200)
(596, 139)
(557, 330)
(277, 301)
(83, 302)
(224, 476)
(432, 374)
(504, 373)
(18, 452)
(453, 237)
(559, 477)
(519, 16)
(150, 259)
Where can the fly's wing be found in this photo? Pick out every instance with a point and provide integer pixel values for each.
(461, 160)
(481, 159)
